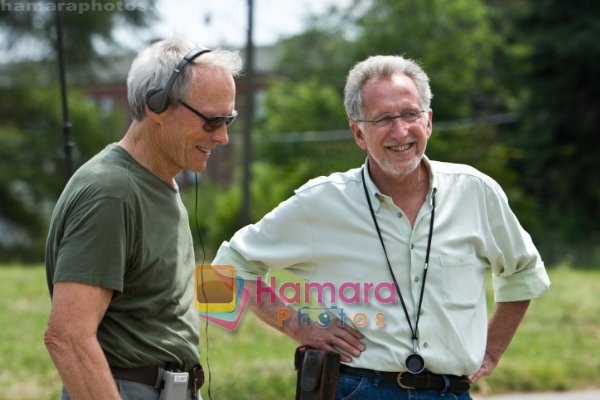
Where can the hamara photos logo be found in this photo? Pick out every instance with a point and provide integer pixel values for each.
(221, 298)
(220, 295)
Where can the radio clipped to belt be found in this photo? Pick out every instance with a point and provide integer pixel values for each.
(170, 380)
(318, 372)
(175, 384)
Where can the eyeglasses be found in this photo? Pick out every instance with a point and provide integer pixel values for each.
(386, 121)
(211, 124)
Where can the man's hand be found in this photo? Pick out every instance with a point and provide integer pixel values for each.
(501, 329)
(335, 338)
(488, 365)
(339, 339)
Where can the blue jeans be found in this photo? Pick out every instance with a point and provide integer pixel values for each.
(136, 391)
(352, 387)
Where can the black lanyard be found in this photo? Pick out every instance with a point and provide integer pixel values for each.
(413, 331)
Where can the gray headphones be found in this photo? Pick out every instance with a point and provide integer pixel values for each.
(157, 100)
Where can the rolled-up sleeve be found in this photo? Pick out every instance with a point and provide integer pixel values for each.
(518, 270)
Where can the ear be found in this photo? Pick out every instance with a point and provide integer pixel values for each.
(154, 117)
(359, 135)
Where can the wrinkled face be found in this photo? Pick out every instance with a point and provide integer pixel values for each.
(395, 131)
(187, 139)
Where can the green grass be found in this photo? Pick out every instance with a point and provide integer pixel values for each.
(556, 347)
(26, 370)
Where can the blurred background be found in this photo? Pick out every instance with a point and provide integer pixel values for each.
(516, 94)
(515, 86)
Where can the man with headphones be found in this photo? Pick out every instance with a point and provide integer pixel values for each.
(119, 254)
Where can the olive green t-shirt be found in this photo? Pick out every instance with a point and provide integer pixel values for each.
(118, 226)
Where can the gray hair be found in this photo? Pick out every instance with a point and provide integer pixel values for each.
(382, 67)
(154, 65)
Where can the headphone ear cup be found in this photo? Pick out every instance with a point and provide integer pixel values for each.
(156, 101)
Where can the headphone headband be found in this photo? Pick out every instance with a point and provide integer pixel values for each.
(157, 99)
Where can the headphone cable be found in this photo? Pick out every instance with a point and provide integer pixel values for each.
(201, 242)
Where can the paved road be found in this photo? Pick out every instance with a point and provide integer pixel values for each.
(593, 394)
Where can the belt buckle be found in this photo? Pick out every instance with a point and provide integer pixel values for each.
(399, 381)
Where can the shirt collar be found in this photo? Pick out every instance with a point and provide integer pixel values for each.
(376, 195)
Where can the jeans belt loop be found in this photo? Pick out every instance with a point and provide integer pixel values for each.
(446, 384)
(400, 383)
(377, 378)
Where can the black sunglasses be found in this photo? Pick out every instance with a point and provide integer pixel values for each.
(211, 124)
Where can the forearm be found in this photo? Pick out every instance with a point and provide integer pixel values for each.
(73, 344)
(502, 327)
(273, 311)
(82, 367)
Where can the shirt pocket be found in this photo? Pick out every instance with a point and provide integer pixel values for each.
(463, 282)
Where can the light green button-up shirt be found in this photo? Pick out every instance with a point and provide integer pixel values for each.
(325, 234)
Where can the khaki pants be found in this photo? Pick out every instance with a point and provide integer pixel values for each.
(137, 391)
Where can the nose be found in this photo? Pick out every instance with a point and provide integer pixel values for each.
(220, 136)
(399, 127)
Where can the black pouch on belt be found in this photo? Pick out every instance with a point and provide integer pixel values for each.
(318, 372)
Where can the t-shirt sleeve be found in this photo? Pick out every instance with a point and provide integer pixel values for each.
(93, 249)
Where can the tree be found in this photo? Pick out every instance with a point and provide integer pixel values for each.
(454, 41)
(293, 109)
(32, 170)
(31, 157)
(457, 44)
(560, 119)
(87, 24)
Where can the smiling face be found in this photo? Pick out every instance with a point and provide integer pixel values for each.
(394, 146)
(184, 142)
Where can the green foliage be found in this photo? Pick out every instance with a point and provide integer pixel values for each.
(86, 24)
(307, 106)
(301, 106)
(32, 163)
(537, 62)
(324, 41)
(444, 37)
(32, 166)
(453, 40)
(219, 214)
(479, 145)
(458, 44)
(560, 118)
(219, 211)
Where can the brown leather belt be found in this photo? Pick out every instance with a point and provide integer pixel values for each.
(151, 376)
(423, 381)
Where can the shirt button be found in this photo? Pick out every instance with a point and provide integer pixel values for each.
(416, 279)
(422, 312)
(412, 246)
(399, 215)
(425, 345)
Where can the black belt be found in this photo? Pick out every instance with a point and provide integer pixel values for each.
(423, 381)
(151, 376)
